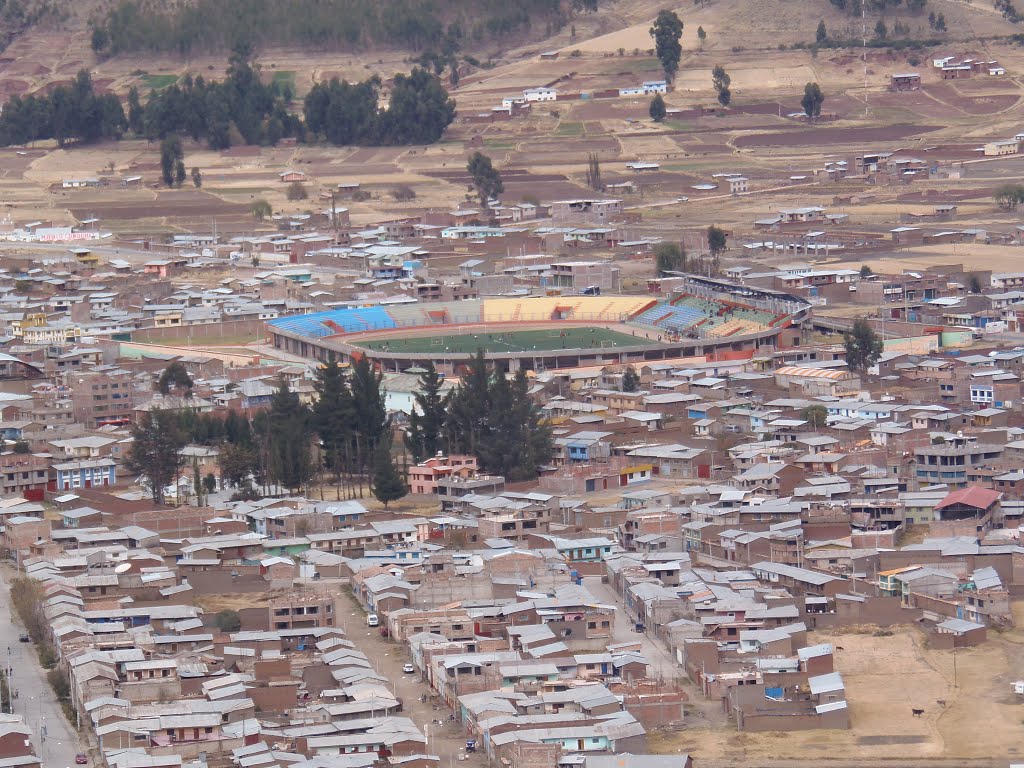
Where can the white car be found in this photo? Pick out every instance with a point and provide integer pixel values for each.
(408, 669)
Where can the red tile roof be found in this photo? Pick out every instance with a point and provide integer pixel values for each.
(975, 496)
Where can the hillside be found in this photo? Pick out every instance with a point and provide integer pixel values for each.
(212, 26)
(767, 24)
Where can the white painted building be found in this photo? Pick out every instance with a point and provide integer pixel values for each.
(540, 94)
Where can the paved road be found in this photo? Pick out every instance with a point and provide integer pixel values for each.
(56, 742)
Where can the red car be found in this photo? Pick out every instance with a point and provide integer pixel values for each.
(81, 759)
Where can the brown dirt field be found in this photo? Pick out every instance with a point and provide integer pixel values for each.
(1005, 258)
(987, 105)
(886, 677)
(167, 204)
(833, 136)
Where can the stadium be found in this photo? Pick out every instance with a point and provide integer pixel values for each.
(705, 317)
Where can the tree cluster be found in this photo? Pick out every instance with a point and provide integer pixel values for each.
(1009, 196)
(812, 100)
(594, 173)
(240, 109)
(489, 415)
(209, 26)
(669, 258)
(493, 417)
(1008, 10)
(156, 451)
(17, 16)
(721, 81)
(68, 113)
(937, 21)
(418, 111)
(857, 7)
(172, 162)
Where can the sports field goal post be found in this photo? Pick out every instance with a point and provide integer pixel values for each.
(608, 344)
(471, 330)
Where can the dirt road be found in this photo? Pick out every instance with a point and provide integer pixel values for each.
(447, 740)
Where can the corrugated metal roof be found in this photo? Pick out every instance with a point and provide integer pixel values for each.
(811, 373)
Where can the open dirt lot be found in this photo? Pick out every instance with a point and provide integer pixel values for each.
(1005, 258)
(886, 677)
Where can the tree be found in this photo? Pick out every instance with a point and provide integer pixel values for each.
(175, 377)
(721, 81)
(197, 178)
(669, 257)
(136, 123)
(156, 451)
(716, 240)
(209, 483)
(865, 271)
(21, 447)
(171, 153)
(666, 31)
(424, 435)
(594, 172)
(657, 109)
(630, 380)
(60, 683)
(863, 346)
(99, 40)
(1009, 196)
(179, 173)
(332, 417)
(881, 32)
(370, 423)
(812, 100)
(486, 179)
(238, 464)
(815, 415)
(387, 484)
(701, 37)
(296, 191)
(821, 35)
(228, 621)
(260, 209)
(287, 436)
(974, 283)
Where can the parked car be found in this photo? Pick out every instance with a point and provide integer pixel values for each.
(24, 638)
(372, 620)
(81, 759)
(408, 669)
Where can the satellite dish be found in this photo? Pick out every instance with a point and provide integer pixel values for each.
(123, 568)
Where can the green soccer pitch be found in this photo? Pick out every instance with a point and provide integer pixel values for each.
(497, 341)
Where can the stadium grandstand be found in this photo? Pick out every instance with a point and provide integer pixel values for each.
(703, 317)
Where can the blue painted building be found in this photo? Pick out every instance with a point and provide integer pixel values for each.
(86, 473)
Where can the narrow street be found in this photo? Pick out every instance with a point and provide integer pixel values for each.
(447, 740)
(663, 666)
(55, 741)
